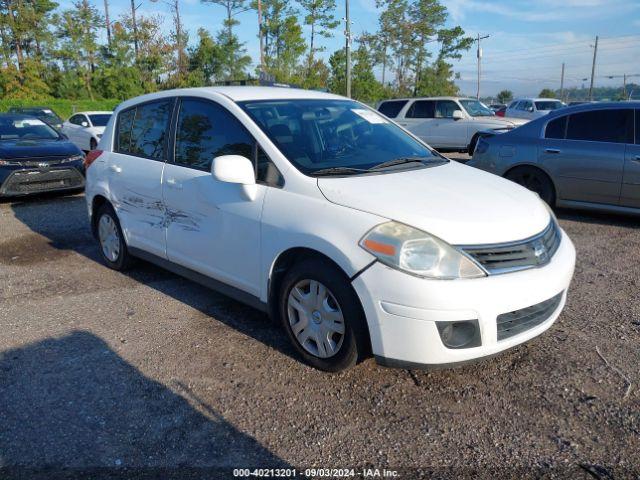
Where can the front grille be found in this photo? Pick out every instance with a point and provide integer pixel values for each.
(23, 182)
(516, 322)
(532, 252)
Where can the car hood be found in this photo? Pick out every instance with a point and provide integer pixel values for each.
(459, 204)
(16, 149)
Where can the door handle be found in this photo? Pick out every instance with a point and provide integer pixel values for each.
(552, 150)
(115, 169)
(173, 183)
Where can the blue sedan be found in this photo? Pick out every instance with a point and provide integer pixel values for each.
(35, 158)
(586, 157)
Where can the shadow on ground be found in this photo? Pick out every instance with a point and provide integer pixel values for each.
(72, 407)
(60, 226)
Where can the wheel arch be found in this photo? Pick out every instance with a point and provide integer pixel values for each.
(96, 203)
(536, 166)
(281, 264)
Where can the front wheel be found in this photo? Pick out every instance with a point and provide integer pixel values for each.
(535, 180)
(322, 316)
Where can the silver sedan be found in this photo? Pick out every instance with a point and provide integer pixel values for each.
(587, 156)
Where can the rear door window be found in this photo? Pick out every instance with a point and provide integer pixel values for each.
(614, 126)
(392, 108)
(422, 109)
(149, 130)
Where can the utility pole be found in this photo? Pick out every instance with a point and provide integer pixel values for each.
(347, 34)
(624, 86)
(593, 68)
(135, 27)
(260, 36)
(479, 55)
(107, 22)
(562, 82)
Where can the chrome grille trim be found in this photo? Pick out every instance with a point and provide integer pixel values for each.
(532, 252)
(22, 182)
(519, 321)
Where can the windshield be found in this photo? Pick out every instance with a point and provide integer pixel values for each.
(476, 108)
(26, 129)
(335, 134)
(100, 119)
(549, 105)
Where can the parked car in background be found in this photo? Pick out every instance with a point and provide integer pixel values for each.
(586, 156)
(319, 210)
(43, 113)
(446, 123)
(497, 106)
(35, 158)
(531, 108)
(501, 111)
(85, 128)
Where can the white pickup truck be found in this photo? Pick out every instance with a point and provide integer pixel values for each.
(447, 123)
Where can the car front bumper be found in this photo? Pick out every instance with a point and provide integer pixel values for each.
(403, 310)
(18, 181)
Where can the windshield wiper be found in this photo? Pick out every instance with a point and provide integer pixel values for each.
(399, 161)
(338, 171)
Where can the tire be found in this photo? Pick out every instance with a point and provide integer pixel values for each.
(113, 247)
(93, 144)
(472, 145)
(331, 328)
(535, 180)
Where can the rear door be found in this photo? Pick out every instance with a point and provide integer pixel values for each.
(419, 119)
(135, 173)
(584, 153)
(630, 193)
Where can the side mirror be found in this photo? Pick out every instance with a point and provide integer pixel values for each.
(457, 115)
(235, 169)
(85, 124)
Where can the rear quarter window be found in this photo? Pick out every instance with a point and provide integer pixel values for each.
(392, 108)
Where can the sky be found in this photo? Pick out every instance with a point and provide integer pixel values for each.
(529, 39)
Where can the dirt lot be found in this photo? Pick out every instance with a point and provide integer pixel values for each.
(149, 375)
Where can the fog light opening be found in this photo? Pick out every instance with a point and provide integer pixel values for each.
(464, 334)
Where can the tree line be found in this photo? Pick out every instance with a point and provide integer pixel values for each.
(51, 52)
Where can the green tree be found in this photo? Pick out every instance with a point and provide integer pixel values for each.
(235, 59)
(77, 30)
(321, 20)
(283, 41)
(547, 93)
(205, 60)
(364, 86)
(505, 96)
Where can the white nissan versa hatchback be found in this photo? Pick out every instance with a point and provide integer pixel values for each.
(333, 219)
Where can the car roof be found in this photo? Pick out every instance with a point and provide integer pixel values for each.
(237, 94)
(534, 99)
(428, 98)
(17, 116)
(593, 106)
(96, 112)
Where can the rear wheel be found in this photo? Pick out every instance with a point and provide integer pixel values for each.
(535, 180)
(472, 145)
(322, 316)
(112, 245)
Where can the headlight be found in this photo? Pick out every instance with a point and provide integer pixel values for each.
(74, 158)
(418, 253)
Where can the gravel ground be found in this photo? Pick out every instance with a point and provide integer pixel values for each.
(145, 374)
